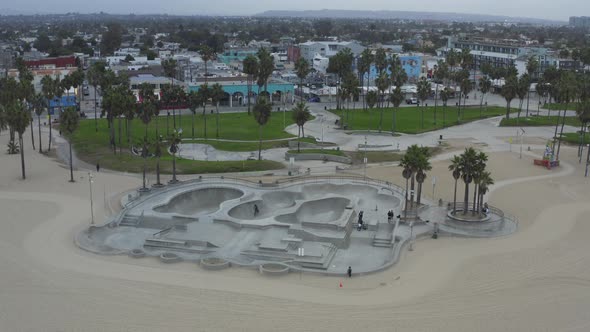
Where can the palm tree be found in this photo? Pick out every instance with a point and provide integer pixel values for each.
(262, 112)
(466, 88)
(145, 153)
(94, 76)
(583, 113)
(207, 54)
(174, 142)
(478, 169)
(522, 90)
(407, 174)
(485, 181)
(455, 167)
(397, 97)
(302, 70)
(148, 101)
(340, 64)
(39, 104)
(158, 146)
(265, 68)
(250, 65)
(509, 92)
(216, 94)
(410, 161)
(372, 98)
(445, 94)
(19, 121)
(68, 124)
(542, 89)
(441, 71)
(567, 89)
(485, 85)
(204, 94)
(468, 164)
(364, 67)
(169, 66)
(193, 101)
(382, 82)
(424, 88)
(422, 165)
(531, 68)
(301, 115)
(48, 88)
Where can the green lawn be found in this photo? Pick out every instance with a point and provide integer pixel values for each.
(409, 119)
(319, 151)
(92, 146)
(247, 146)
(559, 106)
(538, 121)
(574, 138)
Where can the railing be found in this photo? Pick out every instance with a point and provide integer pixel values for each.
(501, 215)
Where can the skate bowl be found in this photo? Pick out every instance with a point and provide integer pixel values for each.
(201, 201)
(301, 224)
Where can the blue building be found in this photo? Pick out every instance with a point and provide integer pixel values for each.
(66, 101)
(412, 65)
(236, 90)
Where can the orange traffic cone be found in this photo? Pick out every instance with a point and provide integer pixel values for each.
(341, 284)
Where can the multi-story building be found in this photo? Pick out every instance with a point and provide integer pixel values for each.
(580, 21)
(310, 49)
(52, 63)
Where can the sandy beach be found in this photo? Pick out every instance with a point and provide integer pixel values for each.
(537, 279)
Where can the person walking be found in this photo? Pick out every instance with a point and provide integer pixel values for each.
(349, 272)
(97, 167)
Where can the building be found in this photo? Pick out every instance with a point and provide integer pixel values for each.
(52, 63)
(38, 74)
(413, 65)
(236, 90)
(236, 55)
(157, 82)
(580, 21)
(320, 63)
(310, 49)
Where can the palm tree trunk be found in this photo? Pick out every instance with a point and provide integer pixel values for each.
(507, 110)
(298, 138)
(249, 83)
(527, 103)
(71, 164)
(144, 167)
(259, 142)
(193, 125)
(381, 119)
(158, 172)
(466, 199)
(393, 120)
(435, 102)
(22, 155)
(39, 125)
(406, 201)
(561, 131)
(217, 120)
(32, 133)
(49, 118)
(120, 145)
(481, 106)
(412, 191)
(587, 162)
(204, 122)
(174, 168)
(474, 197)
(455, 198)
(418, 198)
(95, 116)
(583, 141)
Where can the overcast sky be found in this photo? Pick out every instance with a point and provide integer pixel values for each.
(558, 10)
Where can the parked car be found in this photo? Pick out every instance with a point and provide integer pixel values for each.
(412, 101)
(314, 100)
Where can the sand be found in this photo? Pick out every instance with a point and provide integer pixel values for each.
(535, 280)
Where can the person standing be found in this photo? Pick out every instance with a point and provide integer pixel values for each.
(349, 272)
(97, 167)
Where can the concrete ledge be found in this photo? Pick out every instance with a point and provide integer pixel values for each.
(275, 269)
(136, 253)
(214, 263)
(318, 156)
(170, 257)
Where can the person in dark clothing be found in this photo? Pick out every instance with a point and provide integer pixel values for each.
(349, 271)
(97, 167)
(256, 211)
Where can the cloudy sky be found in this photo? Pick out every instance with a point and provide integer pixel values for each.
(558, 10)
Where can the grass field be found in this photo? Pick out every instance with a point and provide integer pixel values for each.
(574, 138)
(92, 146)
(559, 106)
(409, 119)
(539, 121)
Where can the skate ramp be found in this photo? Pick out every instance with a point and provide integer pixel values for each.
(201, 201)
(327, 210)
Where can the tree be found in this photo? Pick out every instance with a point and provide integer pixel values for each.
(262, 112)
(18, 120)
(382, 82)
(567, 89)
(522, 90)
(129, 58)
(485, 85)
(372, 98)
(49, 87)
(397, 97)
(424, 88)
(340, 64)
(207, 54)
(542, 90)
(94, 76)
(380, 61)
(302, 70)
(455, 167)
(204, 94)
(467, 166)
(169, 66)
(216, 94)
(68, 124)
(193, 101)
(39, 104)
(174, 140)
(111, 40)
(250, 65)
(265, 68)
(445, 95)
(485, 182)
(158, 146)
(364, 67)
(301, 115)
(509, 92)
(441, 71)
(532, 67)
(145, 153)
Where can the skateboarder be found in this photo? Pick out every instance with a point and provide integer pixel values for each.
(349, 271)
(256, 211)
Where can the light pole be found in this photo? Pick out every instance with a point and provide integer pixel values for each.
(411, 248)
(365, 158)
(91, 202)
(322, 124)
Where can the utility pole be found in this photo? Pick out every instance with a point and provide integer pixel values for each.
(91, 202)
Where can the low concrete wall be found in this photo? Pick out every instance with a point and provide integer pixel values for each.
(318, 156)
(169, 257)
(214, 264)
(274, 269)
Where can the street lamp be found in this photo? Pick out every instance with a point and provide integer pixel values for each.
(365, 157)
(322, 124)
(91, 202)
(411, 248)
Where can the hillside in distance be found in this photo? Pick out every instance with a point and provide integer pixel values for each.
(407, 15)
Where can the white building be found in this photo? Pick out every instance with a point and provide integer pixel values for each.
(328, 48)
(320, 63)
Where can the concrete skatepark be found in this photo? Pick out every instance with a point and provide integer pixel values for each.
(296, 224)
